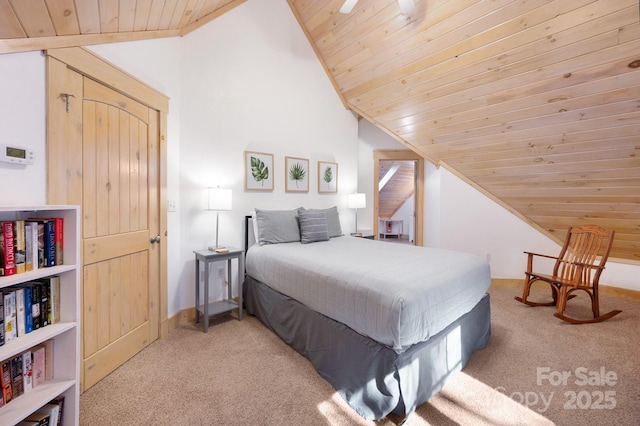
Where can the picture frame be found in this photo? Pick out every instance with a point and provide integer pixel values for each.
(296, 174)
(327, 177)
(258, 171)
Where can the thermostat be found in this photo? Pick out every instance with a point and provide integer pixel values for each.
(16, 155)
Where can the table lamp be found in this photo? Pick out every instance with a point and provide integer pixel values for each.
(356, 201)
(219, 200)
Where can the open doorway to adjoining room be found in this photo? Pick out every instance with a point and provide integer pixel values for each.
(398, 196)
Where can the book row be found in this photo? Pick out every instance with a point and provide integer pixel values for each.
(48, 415)
(27, 245)
(26, 371)
(29, 306)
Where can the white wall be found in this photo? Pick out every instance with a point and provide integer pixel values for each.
(405, 214)
(251, 81)
(458, 217)
(22, 123)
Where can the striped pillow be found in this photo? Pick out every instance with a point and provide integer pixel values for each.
(313, 227)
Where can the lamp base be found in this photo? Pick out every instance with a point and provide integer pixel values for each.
(356, 234)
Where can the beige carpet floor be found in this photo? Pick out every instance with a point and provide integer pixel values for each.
(536, 370)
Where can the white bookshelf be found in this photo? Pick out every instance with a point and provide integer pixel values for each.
(65, 334)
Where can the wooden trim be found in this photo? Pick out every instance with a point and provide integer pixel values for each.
(210, 17)
(419, 201)
(15, 45)
(164, 232)
(91, 65)
(607, 290)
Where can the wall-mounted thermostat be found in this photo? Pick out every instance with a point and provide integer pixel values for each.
(16, 155)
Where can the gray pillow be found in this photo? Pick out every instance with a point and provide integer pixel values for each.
(277, 226)
(333, 221)
(313, 227)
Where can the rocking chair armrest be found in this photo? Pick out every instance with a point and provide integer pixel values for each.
(541, 255)
(530, 256)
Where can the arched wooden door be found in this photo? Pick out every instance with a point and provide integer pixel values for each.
(109, 164)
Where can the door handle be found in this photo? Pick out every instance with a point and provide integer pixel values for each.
(155, 239)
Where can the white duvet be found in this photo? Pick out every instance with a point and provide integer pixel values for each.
(395, 294)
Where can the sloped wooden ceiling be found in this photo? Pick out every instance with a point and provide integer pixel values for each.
(535, 102)
(397, 189)
(44, 24)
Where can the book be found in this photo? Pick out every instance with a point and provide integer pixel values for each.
(17, 381)
(60, 401)
(49, 235)
(59, 240)
(28, 308)
(9, 297)
(38, 365)
(45, 306)
(27, 371)
(31, 246)
(1, 320)
(5, 382)
(19, 246)
(40, 419)
(48, 359)
(53, 410)
(52, 296)
(36, 298)
(39, 246)
(7, 255)
(20, 312)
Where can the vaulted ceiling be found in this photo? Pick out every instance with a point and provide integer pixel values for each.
(534, 102)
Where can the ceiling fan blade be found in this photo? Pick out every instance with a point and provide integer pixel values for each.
(406, 6)
(348, 6)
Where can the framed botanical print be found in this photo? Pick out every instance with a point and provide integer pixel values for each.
(327, 177)
(258, 171)
(296, 174)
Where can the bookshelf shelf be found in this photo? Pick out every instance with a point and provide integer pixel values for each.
(65, 334)
(14, 412)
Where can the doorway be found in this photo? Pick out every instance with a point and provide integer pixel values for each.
(398, 196)
(106, 153)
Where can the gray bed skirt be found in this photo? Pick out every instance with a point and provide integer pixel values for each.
(373, 379)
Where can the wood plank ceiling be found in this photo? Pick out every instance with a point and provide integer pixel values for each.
(399, 182)
(534, 102)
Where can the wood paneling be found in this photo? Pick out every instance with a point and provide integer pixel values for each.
(533, 102)
(43, 24)
(399, 187)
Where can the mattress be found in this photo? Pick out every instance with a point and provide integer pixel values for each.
(397, 295)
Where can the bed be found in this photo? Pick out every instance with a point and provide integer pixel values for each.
(385, 324)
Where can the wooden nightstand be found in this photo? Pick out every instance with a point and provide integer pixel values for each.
(210, 309)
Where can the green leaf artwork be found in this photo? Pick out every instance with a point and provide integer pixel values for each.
(259, 170)
(328, 175)
(297, 173)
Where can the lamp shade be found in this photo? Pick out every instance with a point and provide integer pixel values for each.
(219, 199)
(356, 201)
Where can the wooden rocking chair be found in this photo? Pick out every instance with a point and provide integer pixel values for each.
(576, 268)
